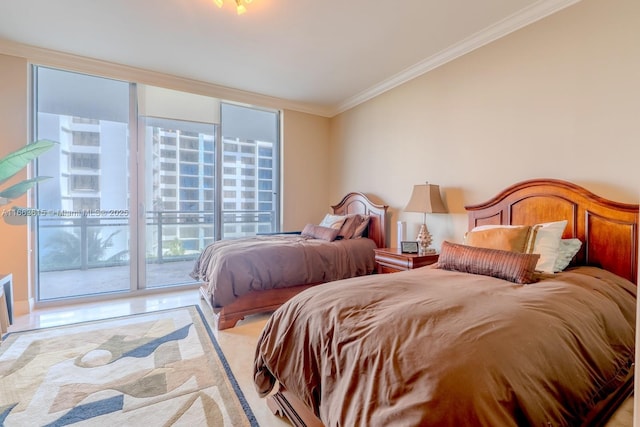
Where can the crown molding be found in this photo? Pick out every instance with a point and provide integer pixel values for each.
(506, 26)
(82, 64)
(47, 57)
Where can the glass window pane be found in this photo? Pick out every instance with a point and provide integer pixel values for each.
(184, 185)
(250, 140)
(83, 247)
(177, 230)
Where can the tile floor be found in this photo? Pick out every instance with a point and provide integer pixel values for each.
(238, 344)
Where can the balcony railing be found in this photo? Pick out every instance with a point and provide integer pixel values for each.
(86, 241)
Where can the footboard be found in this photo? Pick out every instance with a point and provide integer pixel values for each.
(285, 404)
(253, 303)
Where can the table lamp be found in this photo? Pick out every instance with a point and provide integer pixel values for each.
(425, 198)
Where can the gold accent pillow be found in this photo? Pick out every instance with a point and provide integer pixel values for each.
(511, 238)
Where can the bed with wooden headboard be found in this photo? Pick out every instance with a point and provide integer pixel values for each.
(407, 341)
(608, 229)
(257, 290)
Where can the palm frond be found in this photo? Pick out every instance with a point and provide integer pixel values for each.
(16, 161)
(22, 187)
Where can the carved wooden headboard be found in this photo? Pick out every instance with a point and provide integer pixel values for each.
(356, 202)
(608, 229)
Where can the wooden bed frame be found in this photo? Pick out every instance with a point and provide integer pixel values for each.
(269, 300)
(608, 230)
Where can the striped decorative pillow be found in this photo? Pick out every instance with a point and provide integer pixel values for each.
(512, 266)
(360, 230)
(353, 226)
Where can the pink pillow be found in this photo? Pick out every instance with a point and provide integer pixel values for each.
(319, 232)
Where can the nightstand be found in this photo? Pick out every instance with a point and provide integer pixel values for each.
(392, 260)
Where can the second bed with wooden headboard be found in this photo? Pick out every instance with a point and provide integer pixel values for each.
(257, 274)
(481, 338)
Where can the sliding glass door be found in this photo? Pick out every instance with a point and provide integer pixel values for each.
(144, 178)
(177, 133)
(84, 223)
(184, 143)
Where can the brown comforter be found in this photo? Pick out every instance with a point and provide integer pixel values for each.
(232, 268)
(431, 347)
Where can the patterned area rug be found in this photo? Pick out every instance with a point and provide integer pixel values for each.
(157, 369)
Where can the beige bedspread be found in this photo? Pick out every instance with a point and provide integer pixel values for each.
(231, 268)
(440, 348)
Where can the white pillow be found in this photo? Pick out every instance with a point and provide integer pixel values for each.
(547, 243)
(544, 240)
(333, 221)
(566, 251)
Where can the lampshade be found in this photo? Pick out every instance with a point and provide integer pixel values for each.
(425, 198)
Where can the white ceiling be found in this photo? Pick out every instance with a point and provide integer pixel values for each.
(328, 55)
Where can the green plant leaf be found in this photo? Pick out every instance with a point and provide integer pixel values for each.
(16, 161)
(22, 187)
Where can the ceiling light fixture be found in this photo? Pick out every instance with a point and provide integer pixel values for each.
(240, 5)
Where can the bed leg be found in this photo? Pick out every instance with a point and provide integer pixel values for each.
(274, 407)
(226, 321)
(286, 405)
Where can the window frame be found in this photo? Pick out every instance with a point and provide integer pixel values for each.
(84, 166)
